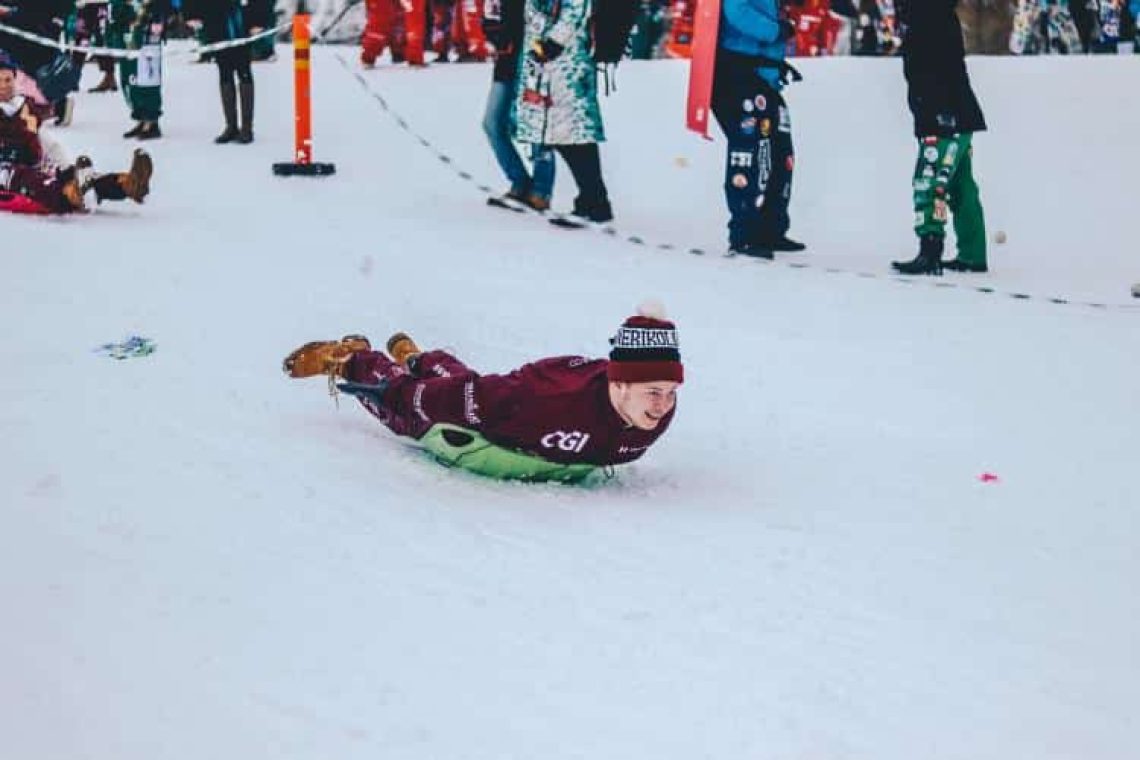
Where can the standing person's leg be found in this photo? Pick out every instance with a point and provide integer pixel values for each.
(542, 188)
(128, 67)
(734, 108)
(375, 36)
(415, 22)
(966, 209)
(99, 16)
(244, 72)
(497, 127)
(146, 95)
(776, 157)
(398, 36)
(455, 34)
(586, 165)
(228, 91)
(938, 159)
(106, 65)
(470, 14)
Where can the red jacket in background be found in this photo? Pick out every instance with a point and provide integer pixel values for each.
(816, 28)
(558, 409)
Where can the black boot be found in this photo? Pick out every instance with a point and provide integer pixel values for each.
(755, 250)
(134, 131)
(150, 131)
(957, 265)
(64, 110)
(785, 244)
(928, 260)
(598, 211)
(229, 110)
(245, 90)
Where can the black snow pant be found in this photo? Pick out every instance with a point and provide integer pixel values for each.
(234, 63)
(585, 164)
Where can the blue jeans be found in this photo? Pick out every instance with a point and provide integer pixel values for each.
(497, 126)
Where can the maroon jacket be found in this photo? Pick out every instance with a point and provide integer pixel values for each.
(558, 409)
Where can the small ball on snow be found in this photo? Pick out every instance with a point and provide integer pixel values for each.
(681, 162)
(999, 237)
(652, 308)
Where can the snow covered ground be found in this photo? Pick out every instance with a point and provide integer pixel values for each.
(202, 559)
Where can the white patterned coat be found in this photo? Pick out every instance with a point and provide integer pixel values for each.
(556, 103)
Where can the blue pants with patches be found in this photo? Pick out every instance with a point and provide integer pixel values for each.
(760, 159)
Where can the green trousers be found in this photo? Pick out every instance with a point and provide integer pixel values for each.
(143, 95)
(458, 447)
(944, 186)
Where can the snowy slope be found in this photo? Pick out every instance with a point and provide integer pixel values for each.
(200, 558)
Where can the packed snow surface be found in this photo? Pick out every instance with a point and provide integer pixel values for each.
(894, 519)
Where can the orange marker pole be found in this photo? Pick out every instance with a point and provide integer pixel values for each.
(302, 88)
(302, 103)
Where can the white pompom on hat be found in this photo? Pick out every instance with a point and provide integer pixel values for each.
(645, 348)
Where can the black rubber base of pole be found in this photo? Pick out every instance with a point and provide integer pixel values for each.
(304, 170)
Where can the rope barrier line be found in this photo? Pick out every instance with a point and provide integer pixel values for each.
(69, 47)
(639, 240)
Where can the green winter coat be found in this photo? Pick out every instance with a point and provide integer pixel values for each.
(130, 21)
(556, 103)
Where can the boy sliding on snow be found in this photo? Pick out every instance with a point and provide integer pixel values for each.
(33, 175)
(555, 419)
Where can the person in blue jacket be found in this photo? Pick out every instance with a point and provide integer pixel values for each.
(1134, 9)
(746, 101)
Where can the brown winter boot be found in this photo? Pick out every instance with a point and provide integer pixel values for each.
(402, 348)
(76, 179)
(136, 181)
(324, 357)
(537, 202)
(107, 84)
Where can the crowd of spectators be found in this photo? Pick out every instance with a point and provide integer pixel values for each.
(664, 28)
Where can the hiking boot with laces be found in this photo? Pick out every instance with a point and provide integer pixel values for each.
(71, 190)
(402, 348)
(136, 181)
(324, 357)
